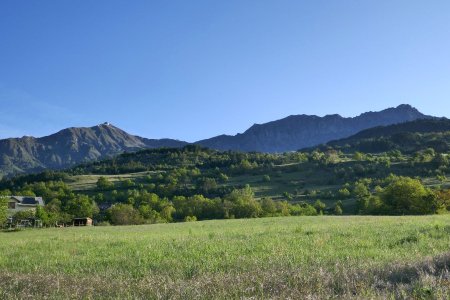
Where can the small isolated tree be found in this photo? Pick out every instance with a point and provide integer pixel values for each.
(266, 178)
(167, 213)
(104, 184)
(244, 204)
(344, 193)
(223, 177)
(283, 208)
(320, 206)
(42, 215)
(358, 156)
(360, 190)
(268, 206)
(190, 219)
(338, 208)
(287, 195)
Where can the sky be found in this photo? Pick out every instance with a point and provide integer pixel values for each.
(191, 70)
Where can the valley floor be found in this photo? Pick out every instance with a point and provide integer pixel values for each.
(289, 257)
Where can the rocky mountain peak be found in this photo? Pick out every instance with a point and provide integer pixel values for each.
(300, 131)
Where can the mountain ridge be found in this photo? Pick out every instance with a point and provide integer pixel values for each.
(71, 146)
(301, 131)
(75, 145)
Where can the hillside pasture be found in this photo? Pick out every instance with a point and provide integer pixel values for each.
(88, 182)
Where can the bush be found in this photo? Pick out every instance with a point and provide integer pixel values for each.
(243, 203)
(344, 193)
(124, 214)
(268, 206)
(338, 208)
(320, 207)
(266, 178)
(104, 223)
(403, 196)
(408, 196)
(104, 184)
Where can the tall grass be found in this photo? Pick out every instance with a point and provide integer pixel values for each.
(315, 257)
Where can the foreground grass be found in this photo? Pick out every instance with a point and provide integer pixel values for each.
(296, 257)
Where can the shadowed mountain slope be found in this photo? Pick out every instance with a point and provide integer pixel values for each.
(406, 137)
(71, 146)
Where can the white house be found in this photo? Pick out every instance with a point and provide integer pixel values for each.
(20, 203)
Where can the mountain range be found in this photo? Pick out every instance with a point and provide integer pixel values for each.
(73, 146)
(302, 131)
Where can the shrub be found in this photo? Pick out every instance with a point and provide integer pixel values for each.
(338, 210)
(124, 214)
(23, 215)
(266, 178)
(344, 193)
(268, 206)
(319, 206)
(408, 196)
(243, 203)
(104, 184)
(104, 223)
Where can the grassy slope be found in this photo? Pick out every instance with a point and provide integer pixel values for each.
(271, 257)
(89, 182)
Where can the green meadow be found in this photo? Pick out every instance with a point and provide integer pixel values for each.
(289, 257)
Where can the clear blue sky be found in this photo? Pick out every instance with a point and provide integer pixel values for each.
(195, 69)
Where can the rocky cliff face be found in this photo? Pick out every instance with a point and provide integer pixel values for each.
(71, 146)
(301, 131)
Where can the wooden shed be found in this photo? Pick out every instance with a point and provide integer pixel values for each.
(82, 222)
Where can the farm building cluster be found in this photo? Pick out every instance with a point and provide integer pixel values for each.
(18, 204)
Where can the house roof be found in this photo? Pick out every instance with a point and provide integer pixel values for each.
(28, 200)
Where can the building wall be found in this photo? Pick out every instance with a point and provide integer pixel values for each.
(18, 208)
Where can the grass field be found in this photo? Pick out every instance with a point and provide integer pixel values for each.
(89, 182)
(296, 257)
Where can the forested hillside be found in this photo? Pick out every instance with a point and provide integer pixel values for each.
(409, 137)
(195, 183)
